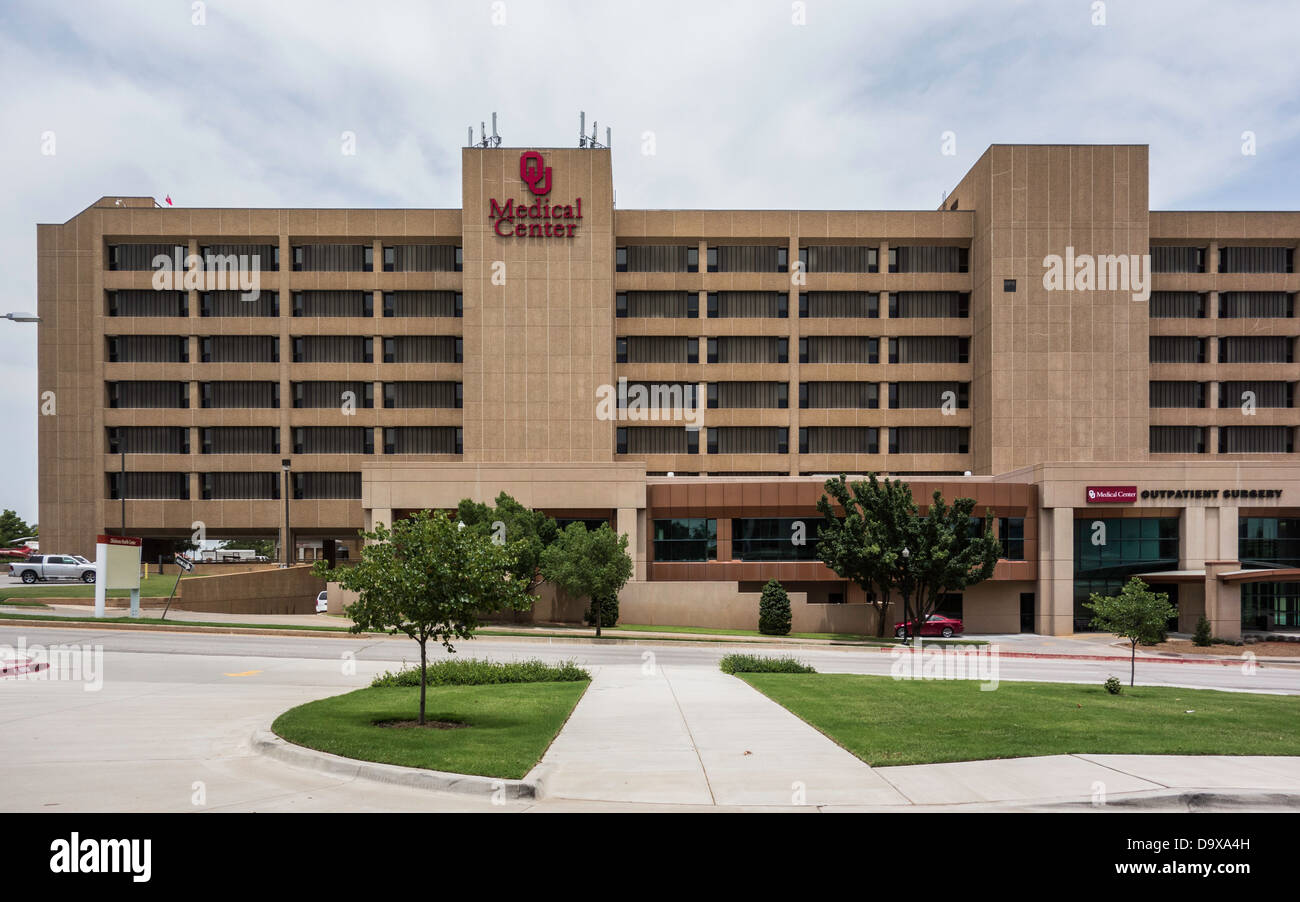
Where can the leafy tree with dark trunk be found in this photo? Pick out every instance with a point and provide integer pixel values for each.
(888, 547)
(428, 577)
(592, 564)
(865, 544)
(950, 551)
(1136, 613)
(526, 531)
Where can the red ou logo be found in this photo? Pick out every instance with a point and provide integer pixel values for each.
(534, 172)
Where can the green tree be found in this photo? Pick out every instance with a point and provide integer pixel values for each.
(527, 532)
(428, 577)
(592, 564)
(12, 528)
(264, 547)
(949, 551)
(1136, 613)
(774, 610)
(1203, 638)
(865, 544)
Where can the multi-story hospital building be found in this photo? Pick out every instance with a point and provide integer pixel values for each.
(1043, 342)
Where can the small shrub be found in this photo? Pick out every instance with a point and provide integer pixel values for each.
(1113, 686)
(1203, 637)
(478, 672)
(774, 610)
(608, 612)
(759, 664)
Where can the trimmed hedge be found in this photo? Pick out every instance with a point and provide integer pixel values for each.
(760, 664)
(478, 672)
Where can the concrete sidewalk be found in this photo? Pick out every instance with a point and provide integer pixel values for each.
(695, 736)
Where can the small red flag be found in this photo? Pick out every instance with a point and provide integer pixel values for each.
(168, 198)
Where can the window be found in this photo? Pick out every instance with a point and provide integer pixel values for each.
(423, 303)
(333, 258)
(657, 440)
(232, 303)
(148, 440)
(929, 349)
(754, 304)
(1008, 285)
(748, 349)
(140, 257)
(1256, 439)
(917, 258)
(839, 258)
(1011, 535)
(1256, 260)
(1177, 439)
(1177, 305)
(148, 394)
(149, 485)
(839, 304)
(147, 348)
(1268, 542)
(423, 349)
(748, 395)
(333, 303)
(657, 304)
(929, 304)
(839, 440)
(775, 538)
(748, 440)
(839, 349)
(1177, 394)
(420, 258)
(149, 303)
(239, 349)
(239, 440)
(1177, 259)
(234, 485)
(445, 395)
(657, 258)
(934, 395)
(234, 394)
(423, 440)
(685, 539)
(308, 486)
(1255, 304)
(361, 395)
(333, 440)
(842, 395)
(929, 440)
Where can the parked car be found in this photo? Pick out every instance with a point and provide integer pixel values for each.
(322, 601)
(17, 551)
(42, 567)
(935, 625)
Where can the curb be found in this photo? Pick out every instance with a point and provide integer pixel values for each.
(1190, 800)
(181, 627)
(264, 742)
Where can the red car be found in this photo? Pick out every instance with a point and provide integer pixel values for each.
(935, 625)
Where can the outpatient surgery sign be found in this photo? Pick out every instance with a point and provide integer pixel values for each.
(540, 218)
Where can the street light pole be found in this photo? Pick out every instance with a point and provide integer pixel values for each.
(284, 464)
(122, 492)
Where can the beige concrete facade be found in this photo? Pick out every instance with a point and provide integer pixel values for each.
(559, 294)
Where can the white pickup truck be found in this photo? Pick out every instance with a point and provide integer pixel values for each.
(42, 567)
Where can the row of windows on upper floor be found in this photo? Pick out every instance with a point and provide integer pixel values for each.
(1232, 305)
(1232, 439)
(1232, 259)
(1230, 349)
(776, 258)
(266, 348)
(136, 257)
(776, 304)
(847, 258)
(775, 349)
(639, 440)
(263, 486)
(266, 439)
(1244, 394)
(148, 303)
(649, 396)
(345, 395)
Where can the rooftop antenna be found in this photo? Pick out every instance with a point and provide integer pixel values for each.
(485, 140)
(589, 141)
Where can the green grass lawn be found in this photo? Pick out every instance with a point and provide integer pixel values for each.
(154, 586)
(885, 721)
(845, 637)
(510, 726)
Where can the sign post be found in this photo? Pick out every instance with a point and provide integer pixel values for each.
(117, 566)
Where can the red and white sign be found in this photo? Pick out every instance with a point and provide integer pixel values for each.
(1112, 494)
(554, 220)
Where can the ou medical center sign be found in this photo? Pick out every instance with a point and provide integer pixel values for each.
(1112, 494)
(543, 216)
(117, 566)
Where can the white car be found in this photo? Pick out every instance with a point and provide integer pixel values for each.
(322, 601)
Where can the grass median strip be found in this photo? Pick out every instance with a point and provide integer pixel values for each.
(491, 719)
(886, 721)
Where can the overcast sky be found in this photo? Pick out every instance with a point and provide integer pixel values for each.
(744, 108)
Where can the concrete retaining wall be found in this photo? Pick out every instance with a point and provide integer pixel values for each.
(289, 591)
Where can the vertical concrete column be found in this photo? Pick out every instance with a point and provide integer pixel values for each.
(1054, 611)
(374, 516)
(1222, 600)
(1192, 539)
(628, 521)
(1228, 548)
(724, 539)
